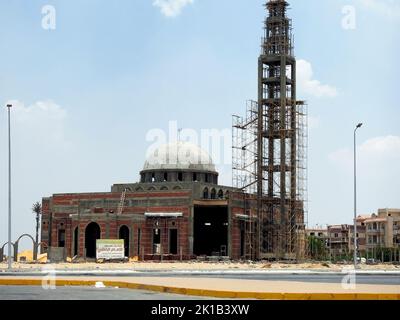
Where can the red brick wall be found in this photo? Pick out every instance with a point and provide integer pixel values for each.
(182, 224)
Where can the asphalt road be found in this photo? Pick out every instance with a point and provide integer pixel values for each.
(84, 293)
(92, 293)
(377, 279)
(329, 278)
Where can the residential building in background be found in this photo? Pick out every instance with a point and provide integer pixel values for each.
(378, 236)
(338, 240)
(361, 235)
(383, 230)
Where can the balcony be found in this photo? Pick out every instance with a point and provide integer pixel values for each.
(375, 230)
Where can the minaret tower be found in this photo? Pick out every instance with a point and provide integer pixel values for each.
(280, 209)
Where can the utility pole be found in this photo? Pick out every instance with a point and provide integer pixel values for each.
(9, 106)
(355, 194)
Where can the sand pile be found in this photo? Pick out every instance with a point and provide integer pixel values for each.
(27, 256)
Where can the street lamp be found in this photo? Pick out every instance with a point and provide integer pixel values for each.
(9, 106)
(355, 194)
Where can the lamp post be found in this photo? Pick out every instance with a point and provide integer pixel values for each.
(9, 106)
(355, 194)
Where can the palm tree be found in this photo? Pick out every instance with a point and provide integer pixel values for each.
(36, 208)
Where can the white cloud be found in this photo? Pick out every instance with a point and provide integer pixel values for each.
(377, 156)
(310, 86)
(388, 8)
(43, 157)
(34, 112)
(171, 8)
(41, 122)
(378, 173)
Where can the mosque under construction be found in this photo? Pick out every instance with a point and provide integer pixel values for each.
(178, 210)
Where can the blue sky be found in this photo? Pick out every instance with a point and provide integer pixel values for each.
(88, 92)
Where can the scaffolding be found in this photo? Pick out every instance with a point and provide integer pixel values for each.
(244, 168)
(244, 149)
(270, 148)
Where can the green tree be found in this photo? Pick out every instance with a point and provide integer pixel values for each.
(316, 248)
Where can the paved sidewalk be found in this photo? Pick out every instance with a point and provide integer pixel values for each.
(238, 285)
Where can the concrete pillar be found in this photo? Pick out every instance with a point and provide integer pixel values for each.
(131, 241)
(230, 231)
(16, 252)
(108, 225)
(191, 229)
(35, 251)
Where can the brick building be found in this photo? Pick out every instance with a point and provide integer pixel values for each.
(338, 240)
(383, 230)
(177, 210)
(341, 238)
(361, 236)
(318, 232)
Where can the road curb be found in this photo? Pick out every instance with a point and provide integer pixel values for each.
(208, 293)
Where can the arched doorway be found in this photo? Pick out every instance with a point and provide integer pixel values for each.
(92, 233)
(124, 235)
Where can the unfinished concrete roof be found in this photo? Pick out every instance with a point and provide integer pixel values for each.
(179, 156)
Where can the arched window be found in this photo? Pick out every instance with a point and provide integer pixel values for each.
(164, 188)
(205, 193)
(213, 193)
(220, 194)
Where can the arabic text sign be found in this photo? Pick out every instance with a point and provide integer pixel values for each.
(110, 249)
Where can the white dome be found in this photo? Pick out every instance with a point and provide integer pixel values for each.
(181, 156)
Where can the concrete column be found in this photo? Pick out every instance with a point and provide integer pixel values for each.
(191, 229)
(15, 252)
(131, 240)
(107, 220)
(230, 230)
(35, 251)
